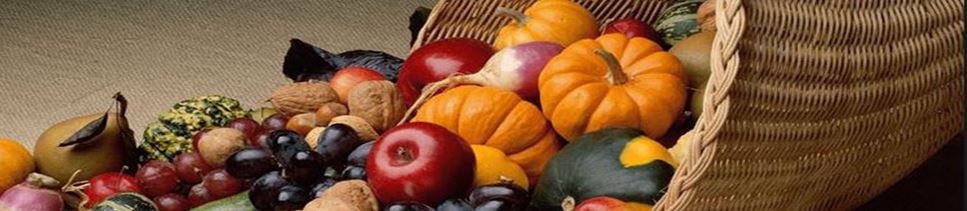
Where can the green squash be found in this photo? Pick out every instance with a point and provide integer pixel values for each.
(679, 21)
(618, 163)
(239, 202)
(171, 134)
(125, 202)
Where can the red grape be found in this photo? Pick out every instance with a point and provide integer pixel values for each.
(195, 138)
(199, 195)
(275, 122)
(157, 178)
(248, 126)
(221, 184)
(171, 202)
(259, 140)
(190, 167)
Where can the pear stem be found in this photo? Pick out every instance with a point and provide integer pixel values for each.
(615, 75)
(517, 16)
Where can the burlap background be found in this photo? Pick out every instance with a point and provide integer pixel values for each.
(62, 59)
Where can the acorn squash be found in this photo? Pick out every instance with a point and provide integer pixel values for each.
(679, 21)
(127, 201)
(618, 163)
(171, 134)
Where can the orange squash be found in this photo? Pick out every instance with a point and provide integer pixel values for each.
(558, 21)
(613, 81)
(15, 164)
(496, 118)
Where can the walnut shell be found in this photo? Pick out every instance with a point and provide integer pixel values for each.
(378, 102)
(302, 97)
(346, 195)
(313, 136)
(362, 128)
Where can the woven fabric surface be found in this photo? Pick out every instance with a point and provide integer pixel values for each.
(62, 59)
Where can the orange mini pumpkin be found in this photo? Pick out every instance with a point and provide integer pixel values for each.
(557, 21)
(612, 81)
(496, 118)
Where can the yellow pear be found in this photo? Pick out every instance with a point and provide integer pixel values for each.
(103, 153)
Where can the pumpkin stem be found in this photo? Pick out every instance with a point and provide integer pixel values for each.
(615, 75)
(517, 16)
(568, 204)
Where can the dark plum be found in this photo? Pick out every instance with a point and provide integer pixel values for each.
(304, 167)
(498, 205)
(291, 197)
(359, 155)
(265, 190)
(336, 142)
(407, 206)
(508, 192)
(353, 172)
(320, 187)
(454, 205)
(285, 143)
(250, 163)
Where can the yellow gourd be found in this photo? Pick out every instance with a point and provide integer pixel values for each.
(493, 166)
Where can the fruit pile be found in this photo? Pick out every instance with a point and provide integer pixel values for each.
(553, 115)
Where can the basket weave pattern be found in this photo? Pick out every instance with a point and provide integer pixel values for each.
(812, 104)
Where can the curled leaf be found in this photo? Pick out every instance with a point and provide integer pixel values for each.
(88, 132)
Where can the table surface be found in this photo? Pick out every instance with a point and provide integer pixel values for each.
(62, 59)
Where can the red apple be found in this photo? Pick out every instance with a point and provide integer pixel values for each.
(604, 203)
(346, 78)
(633, 28)
(421, 162)
(439, 59)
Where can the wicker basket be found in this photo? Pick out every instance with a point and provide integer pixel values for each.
(812, 104)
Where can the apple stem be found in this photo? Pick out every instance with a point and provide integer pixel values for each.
(615, 75)
(404, 154)
(568, 204)
(517, 16)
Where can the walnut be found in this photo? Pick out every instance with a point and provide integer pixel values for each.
(378, 102)
(302, 97)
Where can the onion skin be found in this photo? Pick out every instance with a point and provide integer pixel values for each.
(28, 197)
(517, 68)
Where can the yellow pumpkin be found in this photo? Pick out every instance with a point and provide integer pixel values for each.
(493, 166)
(612, 81)
(496, 118)
(16, 164)
(558, 21)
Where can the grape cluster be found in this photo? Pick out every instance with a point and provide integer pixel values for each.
(493, 197)
(286, 174)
